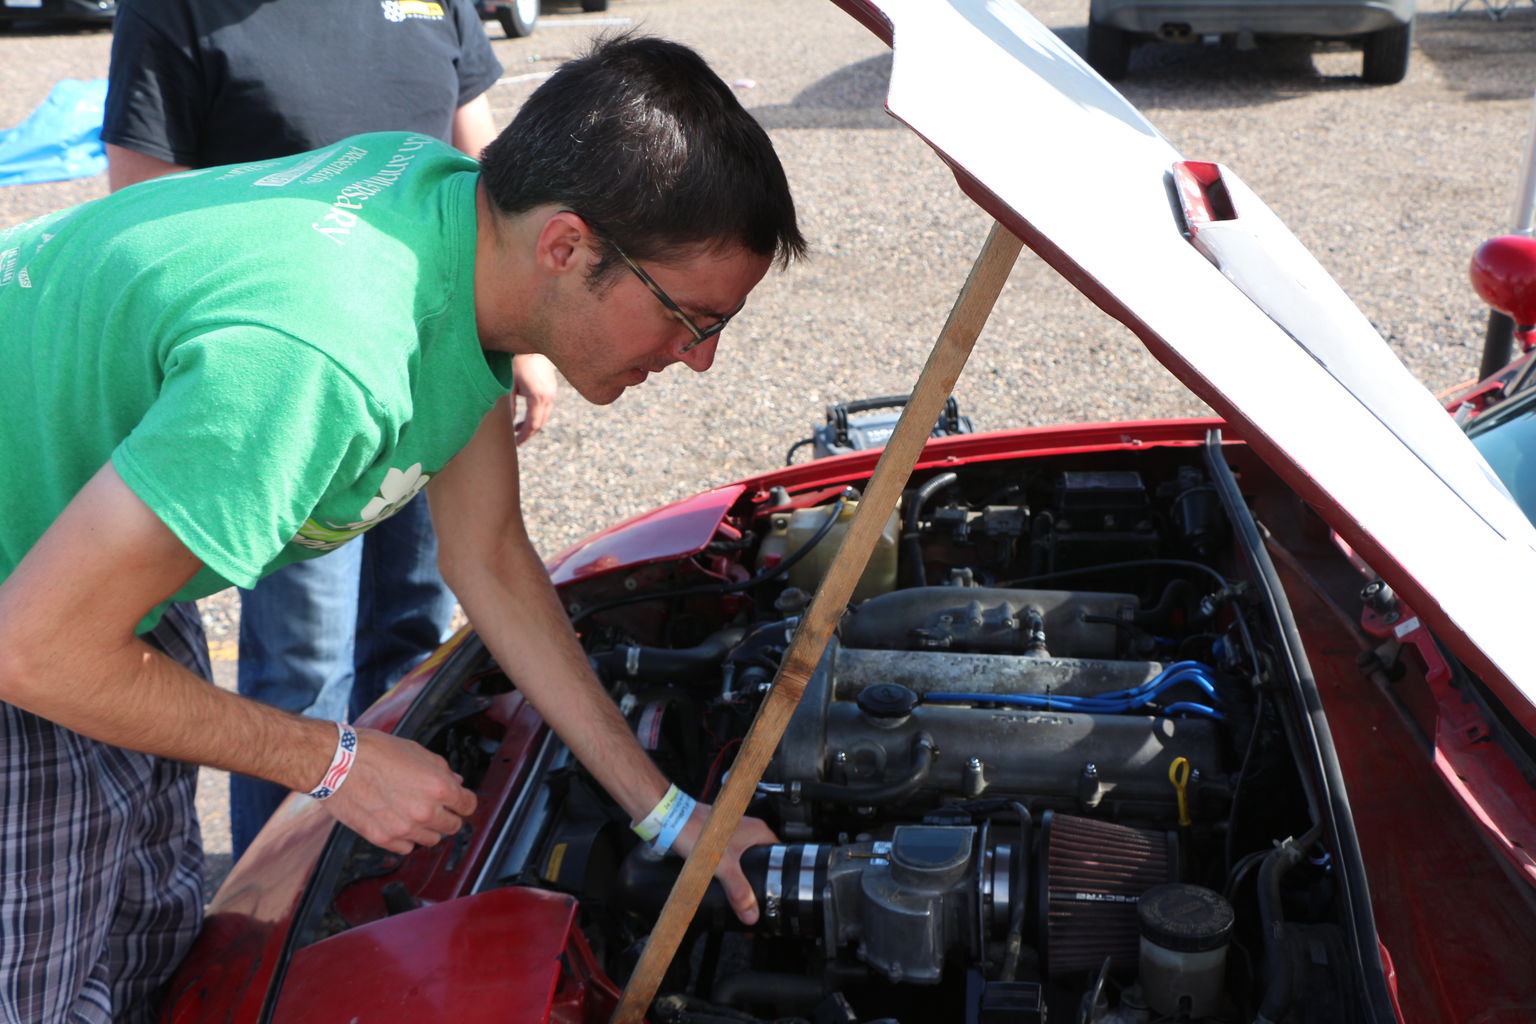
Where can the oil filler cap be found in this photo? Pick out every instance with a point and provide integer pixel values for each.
(887, 701)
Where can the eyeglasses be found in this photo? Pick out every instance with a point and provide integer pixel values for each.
(700, 334)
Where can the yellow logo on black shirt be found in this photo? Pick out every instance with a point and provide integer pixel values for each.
(403, 10)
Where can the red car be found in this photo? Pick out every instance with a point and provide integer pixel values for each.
(1227, 719)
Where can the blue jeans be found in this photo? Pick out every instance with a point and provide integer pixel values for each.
(329, 636)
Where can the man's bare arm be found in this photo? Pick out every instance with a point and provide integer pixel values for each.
(474, 127)
(490, 563)
(129, 167)
(68, 653)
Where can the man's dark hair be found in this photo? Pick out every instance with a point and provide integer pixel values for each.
(646, 143)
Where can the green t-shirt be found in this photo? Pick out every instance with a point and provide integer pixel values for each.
(274, 356)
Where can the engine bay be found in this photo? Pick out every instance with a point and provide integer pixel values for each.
(1047, 770)
(1060, 762)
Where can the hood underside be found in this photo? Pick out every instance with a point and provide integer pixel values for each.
(1229, 300)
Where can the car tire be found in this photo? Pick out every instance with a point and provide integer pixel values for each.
(1386, 55)
(1109, 50)
(594, 5)
(518, 18)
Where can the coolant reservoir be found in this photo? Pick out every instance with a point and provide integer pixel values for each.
(791, 531)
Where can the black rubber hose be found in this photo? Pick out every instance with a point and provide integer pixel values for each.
(1015, 941)
(671, 665)
(923, 750)
(778, 990)
(1172, 593)
(1278, 985)
(911, 540)
(1498, 344)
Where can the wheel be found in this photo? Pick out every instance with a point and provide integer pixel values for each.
(1109, 50)
(1386, 54)
(518, 17)
(594, 5)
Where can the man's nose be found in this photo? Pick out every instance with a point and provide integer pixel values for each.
(702, 356)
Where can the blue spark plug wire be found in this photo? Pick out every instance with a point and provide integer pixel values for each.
(1112, 703)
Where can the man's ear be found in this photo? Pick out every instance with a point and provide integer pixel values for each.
(565, 243)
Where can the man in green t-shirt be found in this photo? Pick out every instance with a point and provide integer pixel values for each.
(212, 375)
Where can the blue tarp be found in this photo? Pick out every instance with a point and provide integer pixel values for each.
(62, 138)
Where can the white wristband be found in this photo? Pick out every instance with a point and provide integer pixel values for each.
(341, 762)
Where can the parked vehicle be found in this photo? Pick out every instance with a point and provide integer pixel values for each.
(12, 11)
(1223, 719)
(1382, 29)
(516, 17)
(519, 17)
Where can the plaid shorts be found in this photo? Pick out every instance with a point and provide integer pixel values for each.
(100, 864)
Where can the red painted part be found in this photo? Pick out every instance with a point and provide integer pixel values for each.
(585, 996)
(1503, 272)
(673, 531)
(494, 957)
(448, 870)
(226, 975)
(1477, 396)
(686, 527)
(1202, 194)
(871, 18)
(1389, 970)
(387, 711)
(1458, 929)
(1478, 771)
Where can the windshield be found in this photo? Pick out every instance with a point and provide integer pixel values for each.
(1506, 435)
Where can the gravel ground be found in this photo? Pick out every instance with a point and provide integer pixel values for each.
(1392, 187)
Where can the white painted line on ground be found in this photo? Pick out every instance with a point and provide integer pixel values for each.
(576, 22)
(532, 76)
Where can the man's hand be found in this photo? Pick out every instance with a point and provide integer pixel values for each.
(492, 566)
(400, 795)
(68, 653)
(534, 380)
(750, 832)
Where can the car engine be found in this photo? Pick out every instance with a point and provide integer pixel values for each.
(1047, 769)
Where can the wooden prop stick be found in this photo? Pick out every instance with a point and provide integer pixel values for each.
(938, 378)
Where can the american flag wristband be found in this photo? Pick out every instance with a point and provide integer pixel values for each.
(341, 763)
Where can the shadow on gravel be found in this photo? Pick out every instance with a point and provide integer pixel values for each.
(851, 97)
(215, 867)
(1479, 57)
(52, 27)
(1163, 75)
(1197, 77)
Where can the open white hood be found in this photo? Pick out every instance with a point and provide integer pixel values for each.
(1231, 302)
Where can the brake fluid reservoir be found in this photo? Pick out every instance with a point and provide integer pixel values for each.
(789, 532)
(1185, 930)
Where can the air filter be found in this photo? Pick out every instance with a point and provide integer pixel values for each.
(1094, 874)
